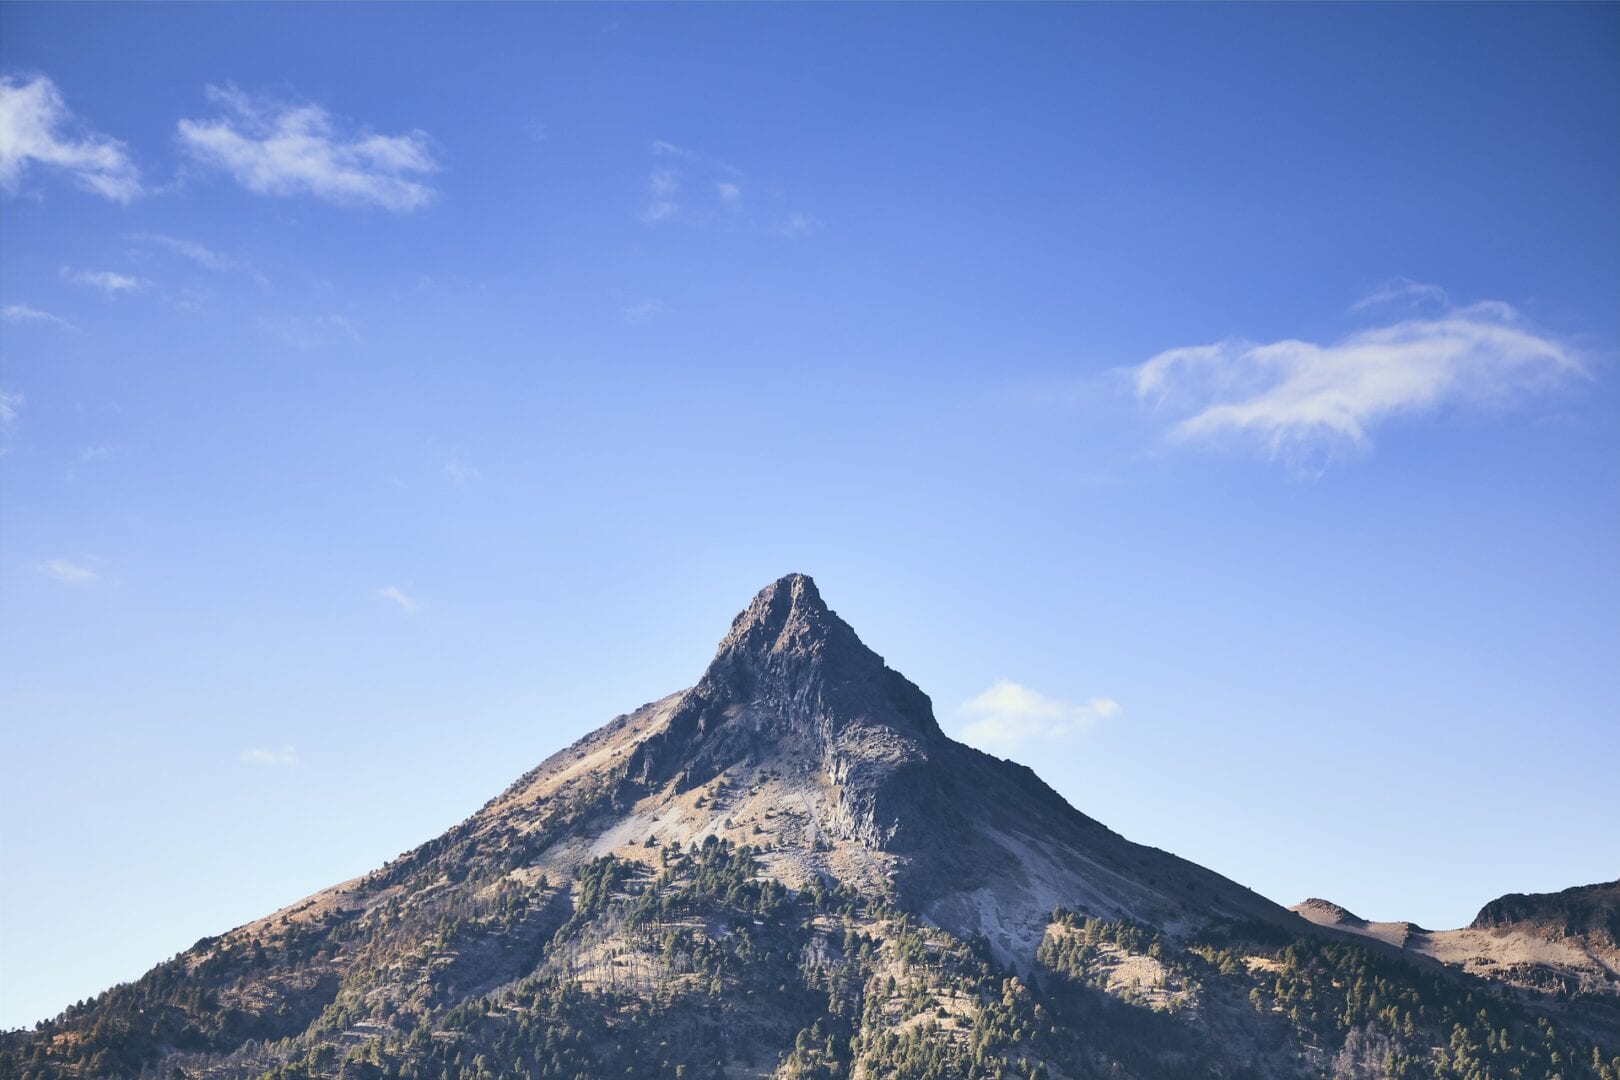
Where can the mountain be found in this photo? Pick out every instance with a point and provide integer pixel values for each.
(788, 870)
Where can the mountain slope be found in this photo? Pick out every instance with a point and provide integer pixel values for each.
(789, 870)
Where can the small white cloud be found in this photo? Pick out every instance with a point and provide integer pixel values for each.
(37, 128)
(1009, 715)
(276, 148)
(659, 146)
(102, 452)
(187, 249)
(107, 281)
(24, 313)
(397, 595)
(1299, 397)
(715, 186)
(68, 572)
(795, 224)
(662, 186)
(10, 401)
(462, 475)
(271, 759)
(641, 310)
(1401, 290)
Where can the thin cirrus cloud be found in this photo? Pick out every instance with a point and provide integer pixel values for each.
(309, 332)
(271, 758)
(398, 596)
(108, 281)
(1402, 290)
(690, 186)
(1293, 397)
(1009, 715)
(282, 149)
(638, 311)
(38, 130)
(202, 255)
(461, 475)
(663, 185)
(24, 313)
(68, 572)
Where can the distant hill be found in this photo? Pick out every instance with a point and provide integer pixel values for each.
(789, 871)
(1562, 944)
(1590, 913)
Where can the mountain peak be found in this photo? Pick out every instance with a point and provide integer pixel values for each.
(788, 614)
(790, 681)
(790, 651)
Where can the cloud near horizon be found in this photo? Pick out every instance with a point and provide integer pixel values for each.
(276, 148)
(38, 128)
(1008, 715)
(1296, 395)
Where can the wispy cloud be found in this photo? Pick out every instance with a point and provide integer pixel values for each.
(306, 332)
(102, 452)
(665, 183)
(1300, 397)
(281, 757)
(1402, 290)
(397, 595)
(203, 256)
(662, 187)
(24, 313)
(1009, 715)
(640, 310)
(10, 401)
(38, 128)
(693, 187)
(107, 281)
(68, 572)
(277, 148)
(462, 475)
(794, 224)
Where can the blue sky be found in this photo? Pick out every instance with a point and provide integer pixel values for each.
(1214, 407)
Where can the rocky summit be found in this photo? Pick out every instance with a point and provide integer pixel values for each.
(790, 871)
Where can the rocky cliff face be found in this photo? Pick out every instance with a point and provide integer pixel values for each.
(788, 870)
(1587, 912)
(792, 683)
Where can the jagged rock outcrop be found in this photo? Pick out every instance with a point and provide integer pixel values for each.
(1591, 912)
(792, 681)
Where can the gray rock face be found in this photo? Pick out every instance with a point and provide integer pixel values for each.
(791, 682)
(1585, 911)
